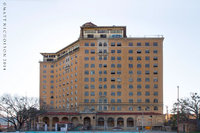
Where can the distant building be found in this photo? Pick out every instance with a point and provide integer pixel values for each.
(104, 80)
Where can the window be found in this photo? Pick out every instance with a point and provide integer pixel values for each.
(139, 72)
(44, 66)
(146, 43)
(112, 44)
(86, 93)
(147, 101)
(130, 44)
(147, 58)
(105, 86)
(139, 51)
(130, 86)
(155, 108)
(147, 72)
(147, 79)
(147, 51)
(155, 100)
(100, 93)
(155, 51)
(92, 44)
(86, 44)
(139, 86)
(86, 51)
(86, 58)
(147, 93)
(139, 100)
(104, 51)
(100, 58)
(103, 36)
(155, 79)
(155, 58)
(139, 79)
(86, 72)
(112, 58)
(130, 65)
(112, 72)
(155, 86)
(139, 58)
(155, 93)
(92, 72)
(119, 44)
(112, 86)
(86, 86)
(104, 44)
(92, 79)
(155, 65)
(112, 65)
(113, 108)
(92, 65)
(118, 72)
(92, 86)
(155, 72)
(119, 93)
(100, 87)
(130, 108)
(139, 93)
(118, 58)
(130, 100)
(119, 108)
(139, 44)
(130, 79)
(100, 72)
(147, 86)
(112, 101)
(130, 72)
(105, 94)
(112, 79)
(130, 58)
(86, 100)
(147, 108)
(130, 93)
(130, 51)
(119, 86)
(147, 65)
(139, 65)
(112, 51)
(92, 58)
(119, 65)
(100, 44)
(92, 101)
(155, 44)
(112, 93)
(105, 72)
(92, 51)
(119, 51)
(105, 57)
(86, 79)
(119, 100)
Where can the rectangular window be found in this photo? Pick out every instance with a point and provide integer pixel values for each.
(119, 100)
(119, 108)
(112, 93)
(130, 65)
(92, 86)
(119, 65)
(139, 58)
(146, 43)
(92, 79)
(86, 79)
(92, 93)
(147, 51)
(92, 51)
(119, 93)
(86, 44)
(86, 93)
(92, 58)
(139, 44)
(112, 86)
(130, 44)
(130, 72)
(112, 58)
(130, 51)
(119, 72)
(147, 58)
(147, 65)
(119, 44)
(119, 58)
(130, 93)
(139, 93)
(86, 51)
(92, 44)
(130, 58)
(155, 65)
(130, 86)
(155, 51)
(112, 51)
(130, 100)
(119, 51)
(112, 65)
(147, 93)
(86, 58)
(139, 65)
(155, 44)
(92, 65)
(112, 44)
(86, 100)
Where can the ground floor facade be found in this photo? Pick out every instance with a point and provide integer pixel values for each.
(104, 121)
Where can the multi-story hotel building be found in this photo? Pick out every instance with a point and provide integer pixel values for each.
(104, 79)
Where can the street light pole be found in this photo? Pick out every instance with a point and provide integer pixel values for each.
(178, 109)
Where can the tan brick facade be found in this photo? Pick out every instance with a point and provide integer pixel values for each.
(102, 74)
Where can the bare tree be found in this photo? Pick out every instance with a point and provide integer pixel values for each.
(188, 107)
(19, 110)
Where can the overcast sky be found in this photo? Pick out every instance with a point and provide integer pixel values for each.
(35, 26)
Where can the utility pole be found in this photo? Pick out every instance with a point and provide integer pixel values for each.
(178, 109)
